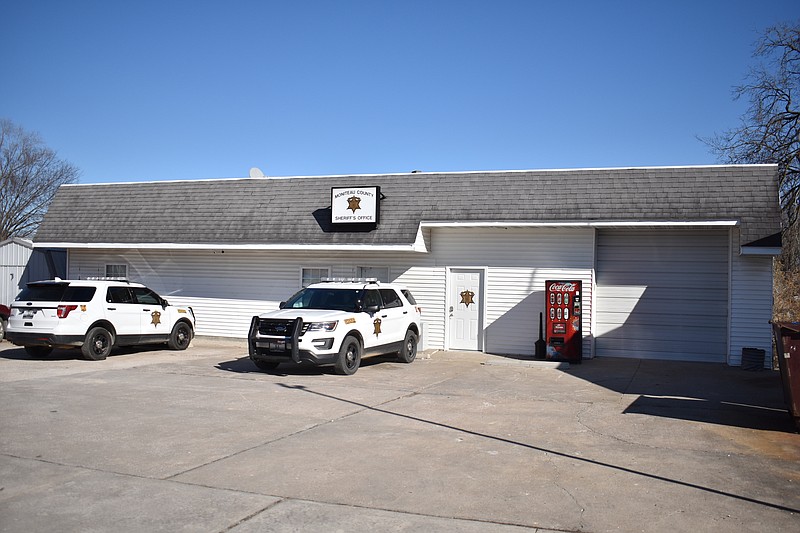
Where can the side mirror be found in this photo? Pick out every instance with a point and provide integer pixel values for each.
(282, 305)
(372, 309)
(164, 303)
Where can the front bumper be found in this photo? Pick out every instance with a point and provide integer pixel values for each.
(292, 348)
(44, 339)
(303, 356)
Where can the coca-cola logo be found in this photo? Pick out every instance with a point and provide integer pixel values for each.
(562, 286)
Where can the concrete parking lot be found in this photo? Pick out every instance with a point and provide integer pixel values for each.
(153, 440)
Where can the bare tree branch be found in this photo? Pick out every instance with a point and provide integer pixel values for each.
(770, 128)
(30, 174)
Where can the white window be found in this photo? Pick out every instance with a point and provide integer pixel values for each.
(379, 273)
(313, 275)
(117, 271)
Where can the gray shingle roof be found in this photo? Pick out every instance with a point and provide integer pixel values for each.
(284, 211)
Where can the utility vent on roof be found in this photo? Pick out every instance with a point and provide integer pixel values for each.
(256, 172)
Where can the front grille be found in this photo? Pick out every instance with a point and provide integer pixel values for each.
(278, 328)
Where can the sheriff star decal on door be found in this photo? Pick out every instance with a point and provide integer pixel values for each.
(156, 316)
(466, 298)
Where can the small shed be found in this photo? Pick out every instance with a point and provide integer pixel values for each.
(21, 263)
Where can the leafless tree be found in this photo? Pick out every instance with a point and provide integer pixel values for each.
(30, 173)
(770, 128)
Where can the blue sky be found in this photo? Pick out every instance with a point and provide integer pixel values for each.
(157, 90)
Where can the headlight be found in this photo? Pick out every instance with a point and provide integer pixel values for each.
(323, 326)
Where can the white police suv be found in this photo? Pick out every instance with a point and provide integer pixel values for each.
(95, 316)
(337, 322)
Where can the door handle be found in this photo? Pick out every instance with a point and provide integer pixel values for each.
(145, 310)
(112, 308)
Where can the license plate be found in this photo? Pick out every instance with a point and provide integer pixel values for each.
(28, 313)
(274, 346)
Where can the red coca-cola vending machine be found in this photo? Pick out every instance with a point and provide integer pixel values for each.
(563, 320)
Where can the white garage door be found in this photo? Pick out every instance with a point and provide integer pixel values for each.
(662, 295)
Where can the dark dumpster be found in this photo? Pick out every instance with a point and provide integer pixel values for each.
(787, 342)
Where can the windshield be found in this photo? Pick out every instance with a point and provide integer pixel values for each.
(323, 298)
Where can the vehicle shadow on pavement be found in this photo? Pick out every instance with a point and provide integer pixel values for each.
(20, 354)
(59, 354)
(244, 365)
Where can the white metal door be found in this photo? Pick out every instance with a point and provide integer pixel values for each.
(393, 316)
(122, 311)
(154, 319)
(465, 303)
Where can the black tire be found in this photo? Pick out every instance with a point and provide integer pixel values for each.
(97, 345)
(408, 352)
(266, 366)
(349, 357)
(180, 337)
(38, 352)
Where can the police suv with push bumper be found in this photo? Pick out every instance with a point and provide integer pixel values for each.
(337, 322)
(95, 315)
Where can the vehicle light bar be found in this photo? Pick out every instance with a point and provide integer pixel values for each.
(349, 280)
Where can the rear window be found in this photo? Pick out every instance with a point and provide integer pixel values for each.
(78, 294)
(56, 293)
(407, 294)
(390, 298)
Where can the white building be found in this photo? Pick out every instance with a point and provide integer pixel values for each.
(676, 262)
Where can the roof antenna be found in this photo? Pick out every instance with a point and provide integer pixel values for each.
(255, 172)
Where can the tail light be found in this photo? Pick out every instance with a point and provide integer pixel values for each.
(65, 310)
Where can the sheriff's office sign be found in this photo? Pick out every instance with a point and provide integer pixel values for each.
(355, 205)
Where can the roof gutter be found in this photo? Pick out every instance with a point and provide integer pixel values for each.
(225, 246)
(418, 245)
(590, 224)
(760, 250)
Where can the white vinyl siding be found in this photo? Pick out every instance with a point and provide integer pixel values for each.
(224, 290)
(657, 294)
(662, 294)
(427, 284)
(751, 304)
(227, 289)
(518, 261)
